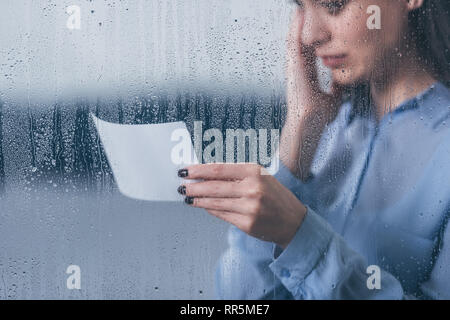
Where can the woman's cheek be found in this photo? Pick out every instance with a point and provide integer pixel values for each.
(354, 40)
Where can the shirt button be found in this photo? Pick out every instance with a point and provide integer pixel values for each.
(285, 273)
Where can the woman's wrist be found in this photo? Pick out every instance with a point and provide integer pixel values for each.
(299, 139)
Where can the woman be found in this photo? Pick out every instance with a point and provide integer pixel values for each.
(359, 207)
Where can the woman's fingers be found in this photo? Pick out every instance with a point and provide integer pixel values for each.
(309, 56)
(221, 171)
(214, 189)
(303, 85)
(236, 205)
(221, 204)
(293, 37)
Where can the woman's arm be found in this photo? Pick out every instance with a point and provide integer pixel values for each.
(308, 108)
(318, 264)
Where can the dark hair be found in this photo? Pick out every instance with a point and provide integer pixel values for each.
(430, 28)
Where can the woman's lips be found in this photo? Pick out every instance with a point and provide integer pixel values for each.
(334, 61)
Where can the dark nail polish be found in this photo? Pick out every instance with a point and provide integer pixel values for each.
(189, 200)
(181, 189)
(182, 173)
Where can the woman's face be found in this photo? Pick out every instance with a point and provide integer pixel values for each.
(340, 29)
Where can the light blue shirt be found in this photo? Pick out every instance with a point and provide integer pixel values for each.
(378, 195)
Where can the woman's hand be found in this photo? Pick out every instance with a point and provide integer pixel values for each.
(304, 94)
(244, 196)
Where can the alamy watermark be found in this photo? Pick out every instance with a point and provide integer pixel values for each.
(74, 20)
(232, 149)
(374, 20)
(74, 280)
(374, 280)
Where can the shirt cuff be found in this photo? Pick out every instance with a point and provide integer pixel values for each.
(293, 264)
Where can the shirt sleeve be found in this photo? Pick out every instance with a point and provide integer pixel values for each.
(318, 264)
(438, 284)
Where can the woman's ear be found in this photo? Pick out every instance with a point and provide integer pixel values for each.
(413, 4)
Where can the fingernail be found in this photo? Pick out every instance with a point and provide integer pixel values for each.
(189, 200)
(181, 189)
(182, 173)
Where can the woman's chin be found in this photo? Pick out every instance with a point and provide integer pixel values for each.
(345, 76)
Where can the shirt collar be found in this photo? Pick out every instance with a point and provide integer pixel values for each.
(362, 105)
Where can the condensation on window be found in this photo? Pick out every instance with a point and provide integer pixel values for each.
(128, 62)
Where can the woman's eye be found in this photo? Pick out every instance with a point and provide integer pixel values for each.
(334, 7)
(298, 3)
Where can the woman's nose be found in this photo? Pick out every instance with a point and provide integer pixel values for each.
(315, 30)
